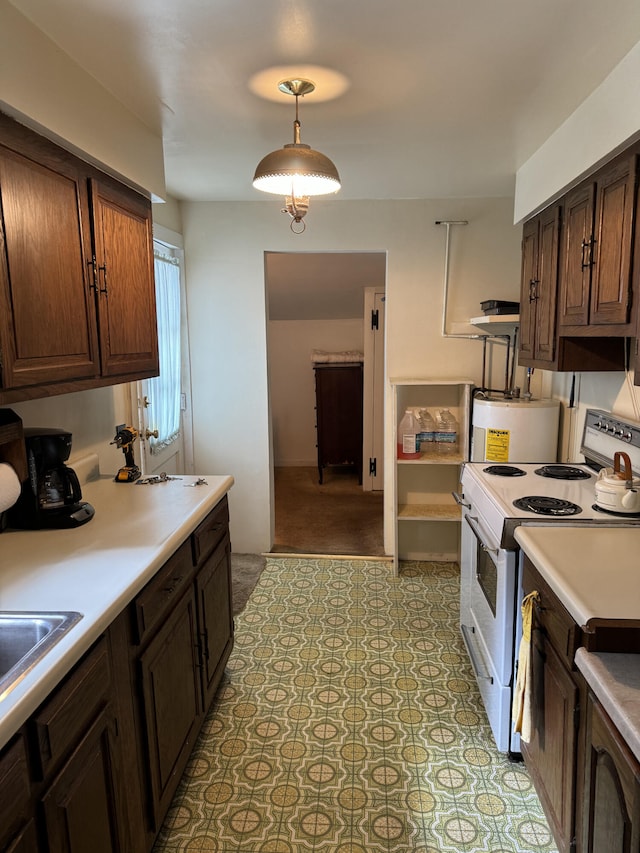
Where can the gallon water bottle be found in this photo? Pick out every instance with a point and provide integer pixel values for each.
(408, 431)
(427, 436)
(446, 434)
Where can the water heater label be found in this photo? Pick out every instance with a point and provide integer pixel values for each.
(497, 448)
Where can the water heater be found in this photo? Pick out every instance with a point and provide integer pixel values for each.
(514, 430)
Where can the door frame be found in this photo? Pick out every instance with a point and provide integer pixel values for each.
(373, 390)
(172, 240)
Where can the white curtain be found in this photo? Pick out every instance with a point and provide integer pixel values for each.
(164, 390)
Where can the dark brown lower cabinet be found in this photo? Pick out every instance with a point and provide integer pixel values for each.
(26, 841)
(612, 787)
(96, 766)
(551, 755)
(80, 806)
(172, 707)
(17, 829)
(215, 617)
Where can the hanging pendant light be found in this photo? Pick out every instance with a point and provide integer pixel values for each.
(296, 171)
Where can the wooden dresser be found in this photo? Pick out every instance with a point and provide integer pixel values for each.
(339, 415)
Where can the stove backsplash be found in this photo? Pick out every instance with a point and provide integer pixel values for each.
(612, 392)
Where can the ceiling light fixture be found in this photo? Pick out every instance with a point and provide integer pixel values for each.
(296, 171)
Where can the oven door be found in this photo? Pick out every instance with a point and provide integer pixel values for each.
(487, 613)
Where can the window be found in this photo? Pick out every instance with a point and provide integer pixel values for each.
(165, 389)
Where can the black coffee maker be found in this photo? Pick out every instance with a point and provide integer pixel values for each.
(51, 494)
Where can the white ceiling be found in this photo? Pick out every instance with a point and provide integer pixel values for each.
(445, 98)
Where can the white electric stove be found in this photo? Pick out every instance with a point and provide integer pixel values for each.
(495, 500)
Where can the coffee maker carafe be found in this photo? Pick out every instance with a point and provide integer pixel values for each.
(51, 495)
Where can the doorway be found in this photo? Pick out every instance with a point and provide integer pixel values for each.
(323, 301)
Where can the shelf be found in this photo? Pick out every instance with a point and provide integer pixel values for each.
(495, 321)
(429, 512)
(426, 517)
(432, 459)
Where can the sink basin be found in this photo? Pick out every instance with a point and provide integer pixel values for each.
(25, 638)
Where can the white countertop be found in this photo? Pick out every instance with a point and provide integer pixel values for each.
(615, 681)
(95, 569)
(594, 571)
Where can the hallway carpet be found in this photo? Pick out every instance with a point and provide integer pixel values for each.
(349, 721)
(336, 518)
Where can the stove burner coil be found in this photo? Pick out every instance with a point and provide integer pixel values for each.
(504, 471)
(543, 505)
(562, 472)
(615, 512)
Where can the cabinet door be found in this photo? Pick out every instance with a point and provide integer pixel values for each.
(611, 277)
(172, 703)
(26, 841)
(547, 289)
(529, 281)
(612, 789)
(123, 245)
(48, 325)
(577, 247)
(550, 755)
(539, 288)
(15, 793)
(215, 617)
(80, 806)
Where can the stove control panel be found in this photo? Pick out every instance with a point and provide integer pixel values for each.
(605, 434)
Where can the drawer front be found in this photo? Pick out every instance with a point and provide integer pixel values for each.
(552, 617)
(66, 716)
(163, 591)
(210, 532)
(15, 789)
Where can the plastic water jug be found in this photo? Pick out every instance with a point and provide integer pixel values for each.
(408, 431)
(427, 435)
(446, 434)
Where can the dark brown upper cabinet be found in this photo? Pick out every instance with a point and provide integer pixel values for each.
(595, 280)
(539, 288)
(77, 298)
(124, 285)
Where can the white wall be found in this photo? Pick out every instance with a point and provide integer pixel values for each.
(42, 87)
(90, 416)
(291, 381)
(604, 123)
(224, 249)
(607, 120)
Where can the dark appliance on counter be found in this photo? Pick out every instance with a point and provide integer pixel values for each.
(51, 496)
(495, 500)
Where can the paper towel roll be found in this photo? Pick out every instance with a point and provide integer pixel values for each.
(9, 486)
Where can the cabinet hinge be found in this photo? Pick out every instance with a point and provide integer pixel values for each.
(374, 319)
(576, 716)
(372, 466)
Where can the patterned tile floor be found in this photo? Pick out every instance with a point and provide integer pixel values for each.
(349, 721)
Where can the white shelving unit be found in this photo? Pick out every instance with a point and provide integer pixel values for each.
(426, 516)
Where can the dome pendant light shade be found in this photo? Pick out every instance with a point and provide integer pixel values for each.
(296, 170)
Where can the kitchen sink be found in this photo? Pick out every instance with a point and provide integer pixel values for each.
(25, 638)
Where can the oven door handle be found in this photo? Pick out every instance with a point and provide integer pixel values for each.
(472, 522)
(459, 499)
(481, 671)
